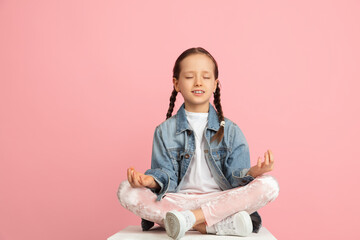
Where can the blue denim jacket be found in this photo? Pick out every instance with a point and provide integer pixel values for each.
(174, 147)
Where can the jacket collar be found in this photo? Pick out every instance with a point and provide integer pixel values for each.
(182, 123)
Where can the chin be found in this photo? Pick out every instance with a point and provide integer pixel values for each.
(198, 103)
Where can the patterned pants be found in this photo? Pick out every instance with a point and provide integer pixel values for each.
(215, 206)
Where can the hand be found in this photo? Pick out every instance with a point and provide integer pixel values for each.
(263, 167)
(137, 179)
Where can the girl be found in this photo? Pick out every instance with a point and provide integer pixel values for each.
(200, 176)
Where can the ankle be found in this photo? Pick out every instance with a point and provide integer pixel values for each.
(201, 228)
(199, 216)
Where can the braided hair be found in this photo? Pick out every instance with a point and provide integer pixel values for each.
(176, 72)
(172, 103)
(220, 133)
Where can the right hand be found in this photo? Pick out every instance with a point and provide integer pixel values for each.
(138, 179)
(263, 167)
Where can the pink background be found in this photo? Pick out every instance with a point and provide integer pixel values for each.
(83, 85)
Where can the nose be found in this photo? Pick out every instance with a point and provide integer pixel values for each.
(198, 81)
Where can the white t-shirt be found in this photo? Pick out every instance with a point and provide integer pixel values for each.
(198, 178)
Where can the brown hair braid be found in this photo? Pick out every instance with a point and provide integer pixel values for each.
(172, 103)
(220, 133)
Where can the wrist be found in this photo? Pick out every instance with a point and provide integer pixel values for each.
(250, 173)
(154, 185)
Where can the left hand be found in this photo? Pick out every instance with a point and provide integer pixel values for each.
(262, 167)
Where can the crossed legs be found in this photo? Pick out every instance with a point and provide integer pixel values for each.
(207, 208)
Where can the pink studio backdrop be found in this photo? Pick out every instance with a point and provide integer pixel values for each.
(83, 85)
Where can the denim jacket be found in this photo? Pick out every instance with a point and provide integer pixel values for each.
(174, 147)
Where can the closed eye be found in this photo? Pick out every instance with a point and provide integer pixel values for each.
(192, 77)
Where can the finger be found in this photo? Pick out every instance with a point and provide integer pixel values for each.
(130, 178)
(271, 165)
(266, 159)
(271, 156)
(136, 179)
(141, 181)
(259, 162)
(129, 175)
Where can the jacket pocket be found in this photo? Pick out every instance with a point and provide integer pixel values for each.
(219, 155)
(177, 155)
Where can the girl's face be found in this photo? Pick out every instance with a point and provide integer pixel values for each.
(196, 82)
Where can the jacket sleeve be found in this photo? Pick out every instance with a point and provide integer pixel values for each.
(162, 169)
(237, 164)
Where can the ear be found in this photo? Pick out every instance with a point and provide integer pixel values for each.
(176, 84)
(215, 84)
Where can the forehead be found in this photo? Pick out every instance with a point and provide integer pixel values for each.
(197, 63)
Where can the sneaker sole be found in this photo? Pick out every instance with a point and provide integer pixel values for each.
(243, 219)
(172, 225)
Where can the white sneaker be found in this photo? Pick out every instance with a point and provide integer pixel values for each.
(177, 223)
(238, 224)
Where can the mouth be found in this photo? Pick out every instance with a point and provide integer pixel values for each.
(198, 92)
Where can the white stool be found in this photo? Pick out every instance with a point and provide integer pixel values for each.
(157, 232)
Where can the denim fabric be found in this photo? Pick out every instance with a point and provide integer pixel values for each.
(174, 147)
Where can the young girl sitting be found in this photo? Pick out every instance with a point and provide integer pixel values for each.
(200, 176)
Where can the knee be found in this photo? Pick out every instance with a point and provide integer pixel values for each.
(123, 189)
(129, 196)
(271, 186)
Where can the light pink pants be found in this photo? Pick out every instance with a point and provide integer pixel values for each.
(215, 206)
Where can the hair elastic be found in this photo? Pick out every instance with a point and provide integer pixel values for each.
(222, 123)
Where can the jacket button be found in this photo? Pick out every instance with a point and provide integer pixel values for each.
(189, 132)
(187, 155)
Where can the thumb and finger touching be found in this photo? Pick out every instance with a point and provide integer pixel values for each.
(133, 177)
(138, 179)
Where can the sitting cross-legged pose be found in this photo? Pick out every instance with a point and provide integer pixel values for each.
(200, 176)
